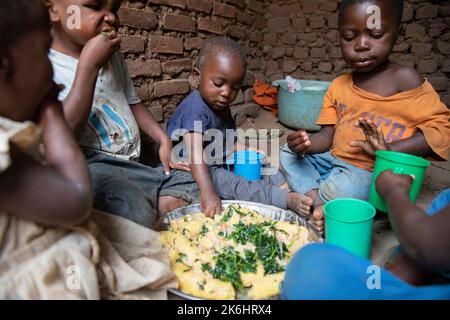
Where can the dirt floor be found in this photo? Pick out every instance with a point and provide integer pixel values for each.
(437, 179)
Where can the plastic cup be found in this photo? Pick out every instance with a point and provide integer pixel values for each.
(400, 163)
(248, 164)
(348, 224)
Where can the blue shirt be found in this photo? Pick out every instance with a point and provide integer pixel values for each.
(194, 115)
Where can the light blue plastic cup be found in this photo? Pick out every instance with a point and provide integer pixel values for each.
(248, 164)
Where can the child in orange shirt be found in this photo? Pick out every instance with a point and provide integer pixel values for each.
(381, 105)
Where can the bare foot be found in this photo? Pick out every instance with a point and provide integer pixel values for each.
(169, 203)
(299, 203)
(318, 219)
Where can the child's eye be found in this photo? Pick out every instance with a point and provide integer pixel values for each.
(95, 6)
(377, 35)
(217, 84)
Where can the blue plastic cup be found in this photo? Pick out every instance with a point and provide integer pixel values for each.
(248, 164)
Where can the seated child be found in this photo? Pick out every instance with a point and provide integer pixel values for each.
(381, 105)
(102, 107)
(323, 271)
(220, 70)
(43, 254)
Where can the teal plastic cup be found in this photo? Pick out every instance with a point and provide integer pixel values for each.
(348, 224)
(400, 163)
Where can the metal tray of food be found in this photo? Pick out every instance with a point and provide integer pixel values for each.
(265, 210)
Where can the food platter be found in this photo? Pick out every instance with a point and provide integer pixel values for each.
(272, 212)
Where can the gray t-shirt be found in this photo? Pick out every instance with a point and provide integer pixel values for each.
(111, 127)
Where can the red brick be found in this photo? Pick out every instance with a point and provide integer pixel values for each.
(421, 49)
(289, 66)
(138, 18)
(208, 25)
(244, 18)
(310, 7)
(427, 66)
(171, 3)
(132, 44)
(328, 5)
(157, 113)
(224, 10)
(200, 5)
(284, 11)
(161, 44)
(427, 12)
(301, 53)
(178, 23)
(144, 68)
(193, 43)
(236, 32)
(260, 23)
(256, 6)
(332, 21)
(278, 52)
(254, 35)
(143, 93)
(299, 24)
(318, 53)
(443, 47)
(325, 67)
(408, 13)
(415, 31)
(278, 24)
(173, 67)
(289, 38)
(316, 22)
(271, 39)
(170, 87)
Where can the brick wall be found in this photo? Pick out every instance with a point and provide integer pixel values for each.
(161, 38)
(302, 41)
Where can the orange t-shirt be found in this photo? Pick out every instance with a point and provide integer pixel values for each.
(399, 116)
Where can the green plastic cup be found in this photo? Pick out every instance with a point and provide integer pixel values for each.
(400, 163)
(348, 224)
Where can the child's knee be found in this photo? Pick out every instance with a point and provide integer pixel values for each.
(341, 186)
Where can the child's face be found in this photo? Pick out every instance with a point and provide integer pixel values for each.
(95, 16)
(220, 80)
(31, 78)
(364, 48)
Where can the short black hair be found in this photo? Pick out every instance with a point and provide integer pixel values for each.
(18, 18)
(395, 5)
(220, 45)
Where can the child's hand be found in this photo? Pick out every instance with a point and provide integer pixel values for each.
(97, 51)
(210, 204)
(299, 142)
(165, 155)
(388, 181)
(374, 137)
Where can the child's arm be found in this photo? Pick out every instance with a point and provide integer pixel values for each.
(416, 144)
(301, 142)
(424, 238)
(209, 201)
(58, 193)
(78, 103)
(151, 127)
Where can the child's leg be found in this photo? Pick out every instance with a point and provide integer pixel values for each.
(229, 186)
(305, 173)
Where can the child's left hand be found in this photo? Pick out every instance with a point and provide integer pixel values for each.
(374, 137)
(165, 155)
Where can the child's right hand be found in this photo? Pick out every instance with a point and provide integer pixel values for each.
(210, 204)
(97, 51)
(388, 181)
(299, 142)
